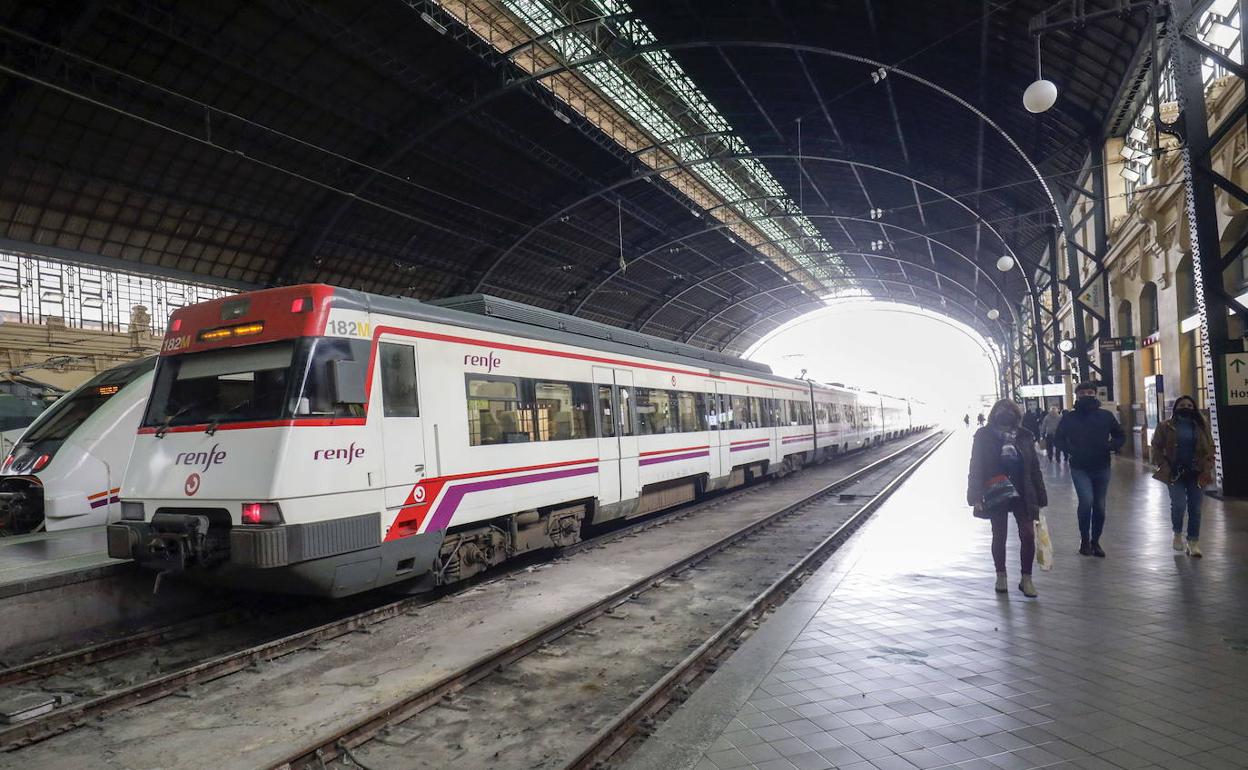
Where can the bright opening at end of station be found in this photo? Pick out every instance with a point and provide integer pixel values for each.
(889, 347)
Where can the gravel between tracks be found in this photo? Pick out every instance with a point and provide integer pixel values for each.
(252, 719)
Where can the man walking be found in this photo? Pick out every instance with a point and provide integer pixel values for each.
(1087, 435)
(1048, 429)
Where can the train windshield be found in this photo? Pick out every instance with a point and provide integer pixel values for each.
(63, 417)
(269, 381)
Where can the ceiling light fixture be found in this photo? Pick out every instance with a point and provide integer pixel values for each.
(1005, 264)
(1041, 95)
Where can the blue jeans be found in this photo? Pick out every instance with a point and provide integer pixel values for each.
(1090, 487)
(1186, 494)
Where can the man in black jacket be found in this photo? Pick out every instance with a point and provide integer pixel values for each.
(1088, 435)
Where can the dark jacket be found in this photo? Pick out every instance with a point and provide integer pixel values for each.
(1088, 435)
(1166, 448)
(985, 463)
(1031, 422)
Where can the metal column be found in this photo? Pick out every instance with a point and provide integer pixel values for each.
(1208, 263)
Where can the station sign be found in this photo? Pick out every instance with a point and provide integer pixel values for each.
(1040, 391)
(1116, 344)
(1236, 378)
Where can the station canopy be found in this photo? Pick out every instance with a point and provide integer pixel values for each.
(700, 171)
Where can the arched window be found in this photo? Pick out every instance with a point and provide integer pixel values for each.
(1126, 326)
(1148, 309)
(1185, 285)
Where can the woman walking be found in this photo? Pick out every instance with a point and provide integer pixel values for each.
(1183, 452)
(1005, 480)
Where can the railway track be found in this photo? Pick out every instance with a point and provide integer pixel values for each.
(512, 707)
(47, 675)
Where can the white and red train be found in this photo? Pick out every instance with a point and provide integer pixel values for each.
(320, 440)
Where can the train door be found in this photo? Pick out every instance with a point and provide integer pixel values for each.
(630, 478)
(617, 442)
(723, 407)
(775, 450)
(402, 433)
(715, 437)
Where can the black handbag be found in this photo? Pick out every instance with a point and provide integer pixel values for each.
(999, 493)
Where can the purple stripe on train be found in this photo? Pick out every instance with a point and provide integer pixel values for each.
(756, 445)
(792, 439)
(670, 458)
(103, 501)
(450, 501)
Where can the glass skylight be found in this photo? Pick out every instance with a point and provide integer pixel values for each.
(745, 183)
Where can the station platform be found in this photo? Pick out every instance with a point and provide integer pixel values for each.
(44, 559)
(898, 654)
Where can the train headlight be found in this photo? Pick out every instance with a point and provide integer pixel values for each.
(131, 511)
(261, 513)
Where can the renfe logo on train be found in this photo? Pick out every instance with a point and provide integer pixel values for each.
(489, 360)
(349, 453)
(207, 459)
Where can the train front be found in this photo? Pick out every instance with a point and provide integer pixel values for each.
(65, 469)
(236, 474)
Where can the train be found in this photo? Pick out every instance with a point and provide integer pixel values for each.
(66, 469)
(325, 441)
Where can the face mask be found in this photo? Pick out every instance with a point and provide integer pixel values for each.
(1185, 411)
(1086, 402)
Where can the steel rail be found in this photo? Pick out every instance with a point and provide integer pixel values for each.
(634, 719)
(317, 752)
(75, 714)
(49, 665)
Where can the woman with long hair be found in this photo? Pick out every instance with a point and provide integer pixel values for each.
(1005, 479)
(1183, 452)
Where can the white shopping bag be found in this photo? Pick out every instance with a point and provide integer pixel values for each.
(1044, 544)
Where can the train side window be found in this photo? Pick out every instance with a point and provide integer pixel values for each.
(710, 405)
(398, 380)
(692, 415)
(563, 410)
(741, 412)
(626, 411)
(606, 412)
(654, 412)
(500, 411)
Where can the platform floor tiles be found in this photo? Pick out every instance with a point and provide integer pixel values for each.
(908, 659)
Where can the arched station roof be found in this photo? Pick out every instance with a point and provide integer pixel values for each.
(386, 146)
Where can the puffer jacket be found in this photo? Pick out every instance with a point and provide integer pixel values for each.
(1166, 448)
(985, 463)
(1088, 435)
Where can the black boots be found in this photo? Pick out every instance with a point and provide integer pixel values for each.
(1090, 548)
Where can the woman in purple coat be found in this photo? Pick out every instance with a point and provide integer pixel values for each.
(1005, 480)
